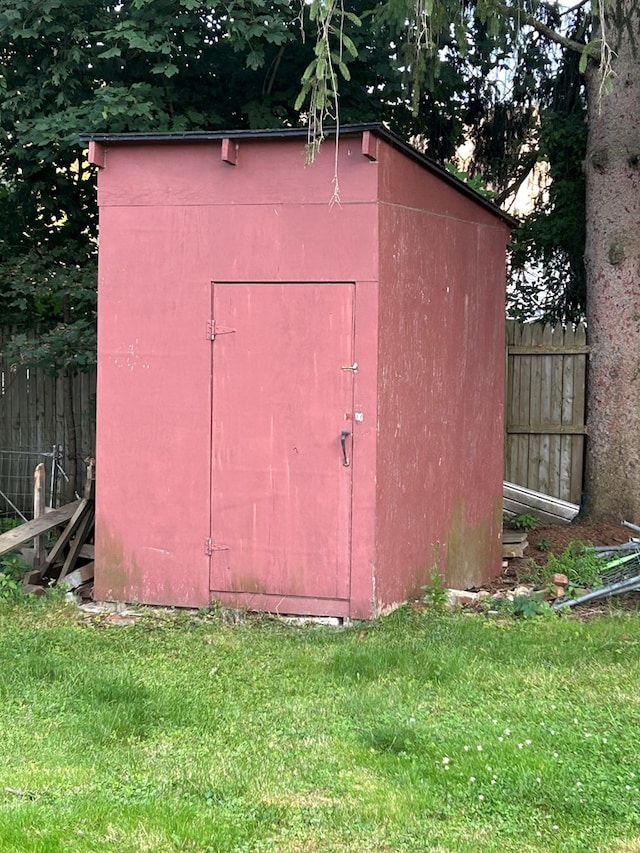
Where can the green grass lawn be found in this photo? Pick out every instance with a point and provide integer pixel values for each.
(421, 732)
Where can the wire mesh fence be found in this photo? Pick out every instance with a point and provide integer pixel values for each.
(17, 469)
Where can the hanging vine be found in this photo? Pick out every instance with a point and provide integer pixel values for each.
(320, 84)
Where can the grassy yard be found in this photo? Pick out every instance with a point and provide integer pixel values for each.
(421, 732)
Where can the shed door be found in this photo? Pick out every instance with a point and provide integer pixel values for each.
(280, 491)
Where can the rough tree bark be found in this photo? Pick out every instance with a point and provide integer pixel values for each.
(612, 166)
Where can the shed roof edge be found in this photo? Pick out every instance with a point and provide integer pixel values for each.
(284, 132)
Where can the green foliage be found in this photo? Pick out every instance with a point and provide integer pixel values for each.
(552, 238)
(95, 66)
(580, 563)
(525, 521)
(12, 570)
(529, 606)
(433, 71)
(480, 73)
(435, 592)
(476, 182)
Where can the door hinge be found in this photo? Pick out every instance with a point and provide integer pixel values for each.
(214, 329)
(211, 547)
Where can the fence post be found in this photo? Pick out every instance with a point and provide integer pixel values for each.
(39, 494)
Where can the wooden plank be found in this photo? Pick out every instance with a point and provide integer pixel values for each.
(545, 413)
(535, 403)
(579, 406)
(549, 350)
(25, 532)
(511, 390)
(519, 500)
(83, 507)
(511, 536)
(568, 363)
(555, 411)
(545, 429)
(514, 549)
(84, 529)
(80, 576)
(523, 413)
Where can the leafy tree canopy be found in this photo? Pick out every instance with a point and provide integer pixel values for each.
(435, 72)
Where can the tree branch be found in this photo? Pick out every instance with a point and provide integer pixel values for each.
(544, 29)
(520, 178)
(574, 8)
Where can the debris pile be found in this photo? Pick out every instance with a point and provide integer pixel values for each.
(69, 561)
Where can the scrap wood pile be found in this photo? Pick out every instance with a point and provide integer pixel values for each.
(620, 560)
(519, 501)
(69, 560)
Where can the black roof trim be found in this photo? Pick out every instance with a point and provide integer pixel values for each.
(284, 132)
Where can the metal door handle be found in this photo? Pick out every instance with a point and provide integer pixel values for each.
(344, 435)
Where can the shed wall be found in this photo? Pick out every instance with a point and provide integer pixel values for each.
(174, 218)
(440, 381)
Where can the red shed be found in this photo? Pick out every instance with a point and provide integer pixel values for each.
(299, 403)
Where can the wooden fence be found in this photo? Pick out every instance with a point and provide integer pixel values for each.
(33, 420)
(545, 408)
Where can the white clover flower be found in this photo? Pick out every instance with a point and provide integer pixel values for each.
(479, 747)
(472, 778)
(501, 739)
(480, 797)
(445, 760)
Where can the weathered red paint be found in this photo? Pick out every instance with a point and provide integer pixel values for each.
(221, 467)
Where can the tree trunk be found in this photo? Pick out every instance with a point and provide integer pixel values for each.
(613, 274)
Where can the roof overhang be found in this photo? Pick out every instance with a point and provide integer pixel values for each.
(287, 132)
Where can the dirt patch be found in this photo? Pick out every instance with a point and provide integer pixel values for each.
(549, 539)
